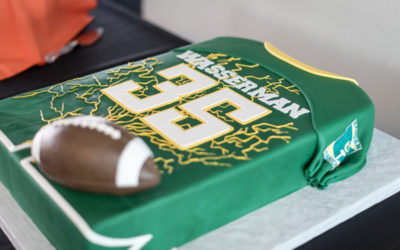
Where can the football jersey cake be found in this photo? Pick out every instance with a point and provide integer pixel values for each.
(229, 125)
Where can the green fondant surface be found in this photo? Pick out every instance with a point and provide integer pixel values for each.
(203, 186)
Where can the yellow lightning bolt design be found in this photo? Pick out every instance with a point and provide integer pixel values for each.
(272, 87)
(239, 144)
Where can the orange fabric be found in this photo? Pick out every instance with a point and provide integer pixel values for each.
(29, 29)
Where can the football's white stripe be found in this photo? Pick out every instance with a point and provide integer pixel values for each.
(131, 162)
(37, 141)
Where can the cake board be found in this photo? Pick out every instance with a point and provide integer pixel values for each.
(284, 224)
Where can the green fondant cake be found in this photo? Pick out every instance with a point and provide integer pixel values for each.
(234, 124)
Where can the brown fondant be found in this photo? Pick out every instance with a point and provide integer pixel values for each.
(85, 159)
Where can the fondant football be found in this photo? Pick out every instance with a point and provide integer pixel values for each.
(92, 154)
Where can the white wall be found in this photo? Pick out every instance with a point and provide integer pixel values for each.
(359, 39)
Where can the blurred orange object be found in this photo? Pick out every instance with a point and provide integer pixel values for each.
(29, 29)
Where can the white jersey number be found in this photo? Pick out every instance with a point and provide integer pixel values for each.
(164, 121)
(169, 92)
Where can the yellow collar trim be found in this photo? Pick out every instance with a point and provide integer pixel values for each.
(279, 54)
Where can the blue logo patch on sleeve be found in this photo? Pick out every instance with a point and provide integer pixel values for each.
(348, 143)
